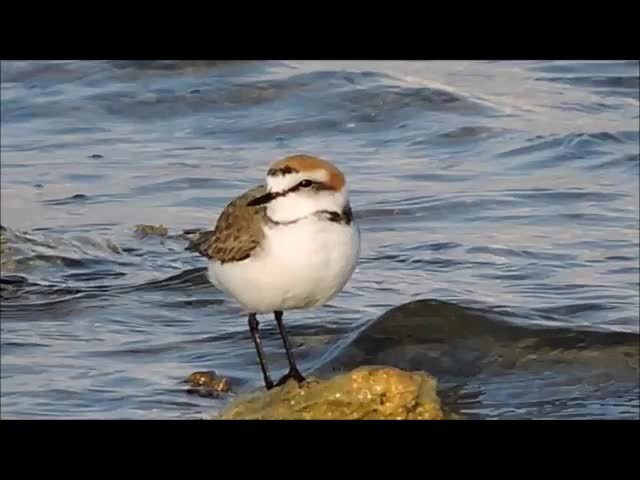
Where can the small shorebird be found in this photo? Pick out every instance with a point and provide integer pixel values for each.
(290, 244)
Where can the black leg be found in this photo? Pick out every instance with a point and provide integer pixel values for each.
(253, 328)
(293, 369)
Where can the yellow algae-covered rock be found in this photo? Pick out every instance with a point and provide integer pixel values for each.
(366, 393)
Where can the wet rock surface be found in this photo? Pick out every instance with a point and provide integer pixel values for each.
(366, 393)
(487, 366)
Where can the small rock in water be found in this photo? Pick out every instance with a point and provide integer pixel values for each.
(207, 384)
(96, 156)
(145, 230)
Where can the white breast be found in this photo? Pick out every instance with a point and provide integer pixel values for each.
(302, 265)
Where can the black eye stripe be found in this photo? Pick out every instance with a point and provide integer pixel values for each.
(303, 184)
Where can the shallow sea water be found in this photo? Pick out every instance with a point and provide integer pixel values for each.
(498, 203)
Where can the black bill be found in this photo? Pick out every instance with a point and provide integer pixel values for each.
(261, 200)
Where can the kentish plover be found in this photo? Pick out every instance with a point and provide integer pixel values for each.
(290, 244)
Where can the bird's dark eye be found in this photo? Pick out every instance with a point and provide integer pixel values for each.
(305, 183)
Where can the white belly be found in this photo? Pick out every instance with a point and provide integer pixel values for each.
(302, 265)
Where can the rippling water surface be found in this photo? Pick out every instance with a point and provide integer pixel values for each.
(498, 203)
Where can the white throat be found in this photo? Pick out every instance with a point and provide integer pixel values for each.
(300, 204)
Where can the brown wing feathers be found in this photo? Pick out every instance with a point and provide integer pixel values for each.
(237, 233)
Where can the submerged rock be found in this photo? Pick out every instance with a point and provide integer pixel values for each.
(366, 393)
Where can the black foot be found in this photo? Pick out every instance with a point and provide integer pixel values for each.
(295, 374)
(293, 369)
